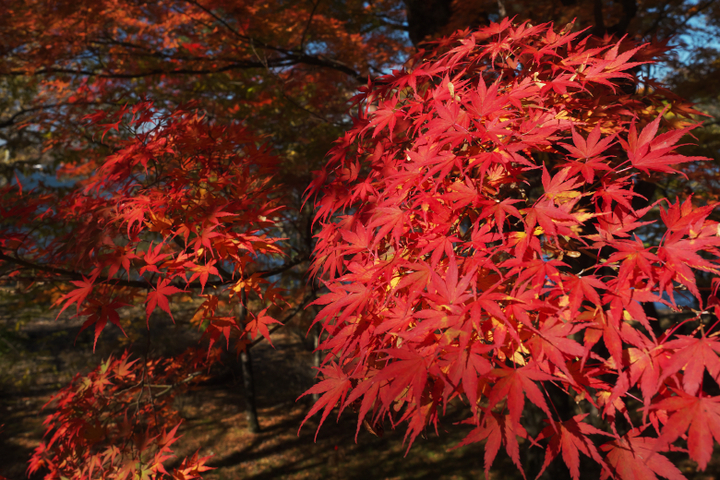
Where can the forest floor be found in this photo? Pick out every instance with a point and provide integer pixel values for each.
(39, 355)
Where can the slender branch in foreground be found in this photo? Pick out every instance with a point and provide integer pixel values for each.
(72, 275)
(168, 388)
(306, 301)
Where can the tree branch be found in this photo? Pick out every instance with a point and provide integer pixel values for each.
(694, 13)
(11, 121)
(307, 25)
(117, 282)
(300, 58)
(306, 301)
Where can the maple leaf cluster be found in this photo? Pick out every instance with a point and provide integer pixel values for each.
(482, 241)
(156, 202)
(112, 423)
(180, 204)
(77, 55)
(169, 204)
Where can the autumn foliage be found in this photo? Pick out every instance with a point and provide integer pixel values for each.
(482, 242)
(181, 205)
(482, 238)
(104, 426)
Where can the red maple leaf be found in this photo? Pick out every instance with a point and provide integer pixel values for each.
(636, 458)
(158, 297)
(647, 152)
(700, 417)
(334, 388)
(99, 313)
(258, 325)
(220, 326)
(77, 295)
(203, 272)
(514, 385)
(694, 355)
(152, 257)
(570, 438)
(497, 430)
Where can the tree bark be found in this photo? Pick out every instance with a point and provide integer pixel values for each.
(249, 392)
(426, 17)
(247, 374)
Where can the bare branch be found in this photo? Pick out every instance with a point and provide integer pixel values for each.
(307, 25)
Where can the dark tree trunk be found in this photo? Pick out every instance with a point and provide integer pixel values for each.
(249, 391)
(427, 17)
(247, 373)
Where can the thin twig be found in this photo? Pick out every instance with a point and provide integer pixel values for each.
(168, 388)
(306, 301)
(307, 26)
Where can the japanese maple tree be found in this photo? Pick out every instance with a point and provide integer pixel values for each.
(482, 231)
(181, 204)
(482, 242)
(152, 126)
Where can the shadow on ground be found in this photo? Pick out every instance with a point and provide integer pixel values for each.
(44, 354)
